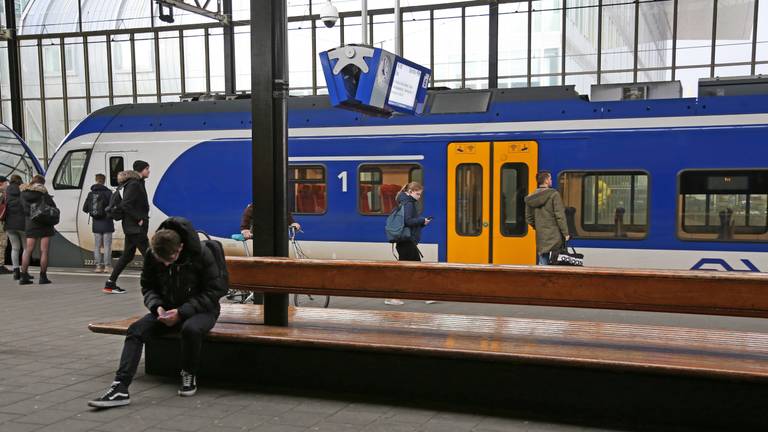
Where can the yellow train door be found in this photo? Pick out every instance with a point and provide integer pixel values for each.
(469, 189)
(487, 183)
(514, 177)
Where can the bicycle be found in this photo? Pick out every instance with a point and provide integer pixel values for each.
(305, 300)
(237, 296)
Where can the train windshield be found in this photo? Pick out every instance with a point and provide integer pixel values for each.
(16, 157)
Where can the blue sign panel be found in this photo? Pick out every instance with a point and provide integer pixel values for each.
(374, 81)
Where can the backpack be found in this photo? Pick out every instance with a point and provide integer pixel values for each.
(42, 213)
(113, 210)
(395, 227)
(217, 250)
(95, 205)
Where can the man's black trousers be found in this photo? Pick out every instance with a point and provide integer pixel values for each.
(192, 331)
(131, 243)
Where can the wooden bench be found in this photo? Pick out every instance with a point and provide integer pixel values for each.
(324, 345)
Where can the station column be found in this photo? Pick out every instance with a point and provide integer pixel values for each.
(269, 92)
(14, 68)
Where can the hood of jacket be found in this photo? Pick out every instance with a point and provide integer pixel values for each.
(13, 190)
(187, 232)
(539, 197)
(33, 188)
(124, 176)
(403, 198)
(99, 187)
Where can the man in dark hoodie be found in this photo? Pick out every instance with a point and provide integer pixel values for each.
(135, 208)
(102, 225)
(182, 285)
(544, 211)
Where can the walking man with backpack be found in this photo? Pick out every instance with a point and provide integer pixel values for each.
(182, 282)
(102, 226)
(130, 204)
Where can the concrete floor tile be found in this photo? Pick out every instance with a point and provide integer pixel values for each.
(20, 427)
(299, 418)
(45, 417)
(241, 420)
(185, 423)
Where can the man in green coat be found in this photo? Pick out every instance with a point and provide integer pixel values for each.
(544, 211)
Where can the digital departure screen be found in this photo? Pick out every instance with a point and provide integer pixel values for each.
(405, 85)
(727, 183)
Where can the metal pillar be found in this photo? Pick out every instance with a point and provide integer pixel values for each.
(364, 22)
(14, 69)
(398, 29)
(230, 77)
(269, 91)
(493, 44)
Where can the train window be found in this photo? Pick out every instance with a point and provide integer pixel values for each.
(723, 205)
(72, 170)
(514, 188)
(606, 204)
(306, 184)
(378, 186)
(469, 199)
(116, 165)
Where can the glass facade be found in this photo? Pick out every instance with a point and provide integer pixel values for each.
(120, 52)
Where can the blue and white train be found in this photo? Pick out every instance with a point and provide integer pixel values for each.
(675, 183)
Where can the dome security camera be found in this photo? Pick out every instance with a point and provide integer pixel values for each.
(329, 15)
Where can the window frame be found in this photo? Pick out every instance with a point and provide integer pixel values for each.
(526, 176)
(456, 188)
(360, 166)
(325, 182)
(632, 171)
(67, 157)
(109, 167)
(679, 206)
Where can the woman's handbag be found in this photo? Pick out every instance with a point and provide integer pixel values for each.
(566, 258)
(44, 214)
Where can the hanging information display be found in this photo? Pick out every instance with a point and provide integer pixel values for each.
(374, 81)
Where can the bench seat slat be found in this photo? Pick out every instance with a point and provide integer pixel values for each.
(676, 350)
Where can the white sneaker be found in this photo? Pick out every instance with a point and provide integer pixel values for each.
(393, 302)
(430, 301)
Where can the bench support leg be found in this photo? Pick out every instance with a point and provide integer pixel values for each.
(276, 309)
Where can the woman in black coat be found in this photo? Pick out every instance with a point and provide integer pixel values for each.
(32, 193)
(15, 222)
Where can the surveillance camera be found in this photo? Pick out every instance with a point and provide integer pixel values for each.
(329, 15)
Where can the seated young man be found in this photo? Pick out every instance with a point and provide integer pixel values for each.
(182, 285)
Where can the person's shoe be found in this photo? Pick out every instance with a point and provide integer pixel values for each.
(98, 269)
(44, 279)
(25, 278)
(4, 270)
(107, 269)
(16, 274)
(430, 301)
(112, 288)
(393, 302)
(188, 384)
(116, 395)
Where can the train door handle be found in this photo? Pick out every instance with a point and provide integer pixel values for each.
(485, 224)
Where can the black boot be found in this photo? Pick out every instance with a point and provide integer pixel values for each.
(25, 279)
(44, 279)
(16, 274)
(4, 270)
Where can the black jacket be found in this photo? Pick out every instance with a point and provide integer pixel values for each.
(413, 220)
(135, 203)
(104, 224)
(31, 194)
(192, 284)
(14, 211)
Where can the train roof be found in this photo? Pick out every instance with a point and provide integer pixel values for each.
(542, 104)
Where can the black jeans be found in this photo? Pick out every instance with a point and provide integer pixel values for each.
(408, 251)
(192, 331)
(132, 242)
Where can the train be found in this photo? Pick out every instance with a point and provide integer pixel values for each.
(678, 183)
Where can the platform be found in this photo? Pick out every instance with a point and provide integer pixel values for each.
(51, 365)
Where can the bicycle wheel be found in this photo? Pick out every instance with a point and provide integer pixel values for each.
(311, 300)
